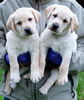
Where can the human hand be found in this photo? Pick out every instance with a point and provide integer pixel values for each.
(22, 59)
(54, 57)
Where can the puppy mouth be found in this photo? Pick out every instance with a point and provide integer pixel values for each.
(29, 33)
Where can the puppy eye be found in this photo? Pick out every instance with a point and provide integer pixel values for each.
(65, 21)
(19, 23)
(29, 19)
(55, 15)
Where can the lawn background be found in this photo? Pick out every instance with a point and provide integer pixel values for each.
(1, 73)
(80, 89)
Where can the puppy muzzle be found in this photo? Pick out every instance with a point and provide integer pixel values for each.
(54, 27)
(28, 31)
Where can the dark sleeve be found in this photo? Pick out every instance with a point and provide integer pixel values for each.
(77, 61)
(3, 64)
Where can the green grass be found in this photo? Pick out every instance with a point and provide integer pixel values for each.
(1, 98)
(80, 89)
(1, 72)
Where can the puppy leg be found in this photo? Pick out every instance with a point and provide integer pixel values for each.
(35, 73)
(14, 70)
(43, 53)
(7, 86)
(51, 80)
(63, 69)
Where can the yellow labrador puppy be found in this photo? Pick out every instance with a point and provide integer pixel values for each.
(60, 36)
(22, 37)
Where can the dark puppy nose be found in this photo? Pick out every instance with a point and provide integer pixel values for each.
(55, 26)
(27, 30)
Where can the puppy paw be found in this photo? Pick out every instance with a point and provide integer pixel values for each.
(62, 80)
(42, 74)
(35, 77)
(8, 90)
(15, 77)
(12, 84)
(43, 90)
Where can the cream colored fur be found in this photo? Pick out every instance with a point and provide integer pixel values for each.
(61, 40)
(20, 41)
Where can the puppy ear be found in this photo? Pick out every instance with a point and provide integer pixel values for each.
(10, 22)
(36, 14)
(74, 23)
(49, 10)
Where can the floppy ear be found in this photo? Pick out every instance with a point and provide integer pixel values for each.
(74, 23)
(49, 10)
(36, 14)
(10, 22)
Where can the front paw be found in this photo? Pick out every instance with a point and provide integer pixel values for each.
(42, 73)
(35, 77)
(43, 90)
(8, 90)
(14, 78)
(62, 80)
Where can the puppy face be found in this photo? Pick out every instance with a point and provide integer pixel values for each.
(60, 19)
(23, 21)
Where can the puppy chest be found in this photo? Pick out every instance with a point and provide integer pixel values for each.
(60, 47)
(25, 47)
(21, 49)
(57, 48)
